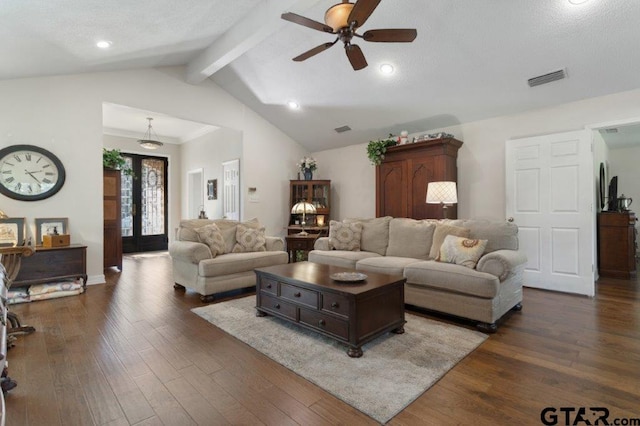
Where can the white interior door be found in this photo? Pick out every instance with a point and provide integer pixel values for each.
(231, 189)
(549, 193)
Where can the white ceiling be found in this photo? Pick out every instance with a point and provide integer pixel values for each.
(470, 61)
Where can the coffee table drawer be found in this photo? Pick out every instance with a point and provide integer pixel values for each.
(335, 303)
(268, 285)
(325, 323)
(299, 295)
(278, 306)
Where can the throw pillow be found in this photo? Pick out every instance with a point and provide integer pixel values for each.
(461, 251)
(345, 236)
(249, 240)
(441, 232)
(229, 229)
(211, 236)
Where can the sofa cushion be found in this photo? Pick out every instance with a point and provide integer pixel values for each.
(450, 277)
(187, 229)
(249, 240)
(500, 235)
(343, 258)
(212, 237)
(375, 233)
(461, 251)
(441, 231)
(344, 236)
(233, 263)
(410, 238)
(385, 265)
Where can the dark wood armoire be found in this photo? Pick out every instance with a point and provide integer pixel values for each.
(112, 218)
(402, 178)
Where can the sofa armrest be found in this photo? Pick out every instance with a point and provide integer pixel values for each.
(501, 262)
(275, 244)
(189, 251)
(321, 243)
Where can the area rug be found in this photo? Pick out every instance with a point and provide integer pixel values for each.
(394, 370)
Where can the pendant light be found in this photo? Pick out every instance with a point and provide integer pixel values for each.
(146, 141)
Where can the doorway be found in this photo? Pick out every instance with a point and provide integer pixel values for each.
(195, 193)
(144, 204)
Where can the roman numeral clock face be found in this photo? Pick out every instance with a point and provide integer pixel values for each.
(29, 173)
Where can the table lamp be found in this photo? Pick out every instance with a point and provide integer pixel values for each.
(442, 193)
(303, 208)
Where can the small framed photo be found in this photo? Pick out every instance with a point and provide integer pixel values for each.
(212, 189)
(48, 225)
(11, 231)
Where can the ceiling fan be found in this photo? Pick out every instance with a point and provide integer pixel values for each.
(344, 19)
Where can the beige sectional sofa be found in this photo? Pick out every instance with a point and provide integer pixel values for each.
(482, 291)
(216, 261)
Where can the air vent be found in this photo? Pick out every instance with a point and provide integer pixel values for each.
(611, 130)
(342, 129)
(547, 78)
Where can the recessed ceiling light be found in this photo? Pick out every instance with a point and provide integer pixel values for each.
(103, 44)
(578, 1)
(293, 105)
(387, 69)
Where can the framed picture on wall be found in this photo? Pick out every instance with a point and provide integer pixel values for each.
(11, 231)
(48, 225)
(212, 189)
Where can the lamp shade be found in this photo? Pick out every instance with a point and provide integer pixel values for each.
(442, 193)
(303, 208)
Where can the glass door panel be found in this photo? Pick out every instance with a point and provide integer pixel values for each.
(153, 189)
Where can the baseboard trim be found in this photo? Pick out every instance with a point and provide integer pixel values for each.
(96, 279)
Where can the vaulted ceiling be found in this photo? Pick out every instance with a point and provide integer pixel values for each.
(471, 59)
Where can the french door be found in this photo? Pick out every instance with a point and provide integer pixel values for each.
(144, 204)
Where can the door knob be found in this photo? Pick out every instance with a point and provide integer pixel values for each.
(510, 219)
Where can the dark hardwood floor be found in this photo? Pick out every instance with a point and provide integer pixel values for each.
(131, 353)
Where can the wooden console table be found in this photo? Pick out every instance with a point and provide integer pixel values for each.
(49, 264)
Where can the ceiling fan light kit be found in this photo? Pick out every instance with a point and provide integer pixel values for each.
(343, 19)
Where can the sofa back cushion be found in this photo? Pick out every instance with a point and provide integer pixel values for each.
(375, 233)
(499, 235)
(410, 238)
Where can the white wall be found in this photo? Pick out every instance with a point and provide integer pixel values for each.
(64, 115)
(208, 152)
(481, 169)
(623, 162)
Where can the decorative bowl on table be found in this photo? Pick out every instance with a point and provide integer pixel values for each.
(348, 277)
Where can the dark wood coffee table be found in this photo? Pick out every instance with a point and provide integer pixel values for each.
(351, 313)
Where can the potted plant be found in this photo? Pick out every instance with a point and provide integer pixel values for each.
(376, 149)
(113, 159)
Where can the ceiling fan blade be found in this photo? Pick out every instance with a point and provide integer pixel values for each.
(361, 11)
(356, 57)
(314, 51)
(391, 35)
(306, 22)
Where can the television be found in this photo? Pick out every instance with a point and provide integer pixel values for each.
(612, 205)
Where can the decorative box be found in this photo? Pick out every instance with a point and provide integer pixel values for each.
(59, 240)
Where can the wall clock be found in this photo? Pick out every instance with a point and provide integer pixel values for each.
(29, 173)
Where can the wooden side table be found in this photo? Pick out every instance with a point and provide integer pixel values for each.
(297, 242)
